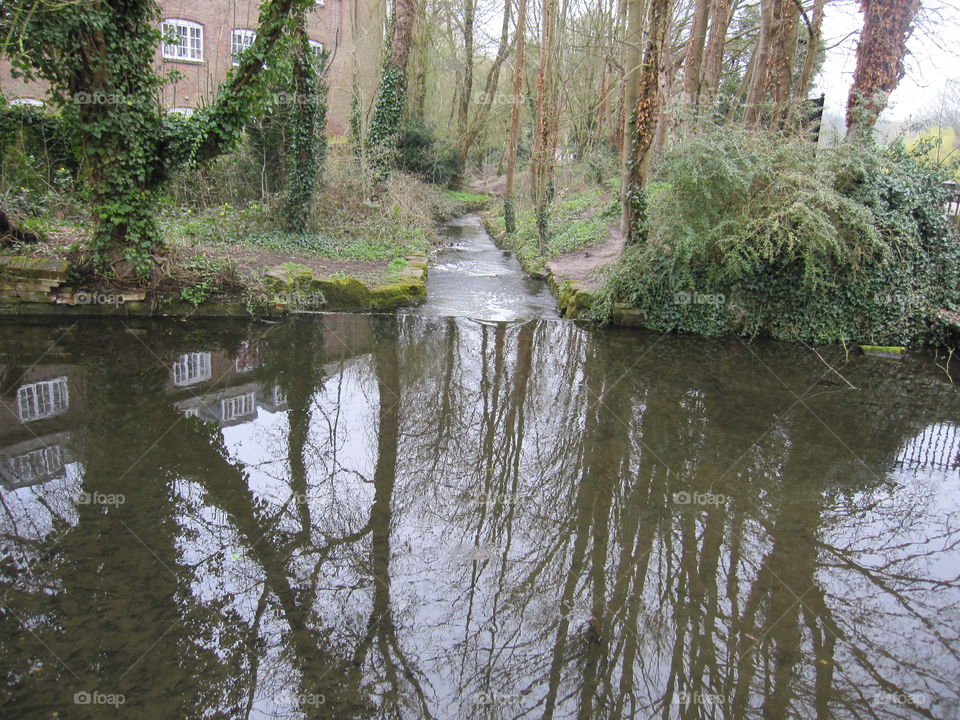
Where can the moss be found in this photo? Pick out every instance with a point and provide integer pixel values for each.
(573, 300)
(342, 293)
(393, 295)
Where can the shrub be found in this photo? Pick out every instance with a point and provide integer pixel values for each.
(847, 243)
(422, 153)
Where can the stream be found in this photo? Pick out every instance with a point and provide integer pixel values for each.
(470, 276)
(424, 515)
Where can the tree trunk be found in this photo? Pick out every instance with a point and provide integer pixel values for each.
(721, 14)
(392, 93)
(644, 120)
(693, 63)
(540, 162)
(814, 40)
(633, 59)
(760, 63)
(466, 84)
(880, 53)
(783, 55)
(509, 215)
(404, 17)
(491, 84)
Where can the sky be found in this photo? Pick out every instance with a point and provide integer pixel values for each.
(934, 58)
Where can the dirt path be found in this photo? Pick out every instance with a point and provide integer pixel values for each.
(584, 266)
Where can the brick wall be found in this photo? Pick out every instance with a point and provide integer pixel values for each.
(350, 29)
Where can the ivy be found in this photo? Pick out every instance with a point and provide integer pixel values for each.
(307, 131)
(98, 59)
(384, 131)
(750, 233)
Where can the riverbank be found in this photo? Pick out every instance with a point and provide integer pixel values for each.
(368, 252)
(849, 247)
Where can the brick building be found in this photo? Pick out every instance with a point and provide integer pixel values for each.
(211, 32)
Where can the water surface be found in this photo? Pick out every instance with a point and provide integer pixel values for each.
(353, 516)
(470, 276)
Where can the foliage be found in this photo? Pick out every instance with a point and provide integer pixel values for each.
(98, 59)
(307, 132)
(383, 134)
(420, 152)
(752, 233)
(581, 216)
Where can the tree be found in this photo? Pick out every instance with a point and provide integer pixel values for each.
(643, 121)
(721, 15)
(98, 59)
(541, 166)
(308, 139)
(693, 64)
(469, 128)
(633, 60)
(509, 216)
(392, 93)
(880, 53)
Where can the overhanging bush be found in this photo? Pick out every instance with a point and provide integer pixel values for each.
(752, 233)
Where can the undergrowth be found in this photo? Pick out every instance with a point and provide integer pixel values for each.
(754, 234)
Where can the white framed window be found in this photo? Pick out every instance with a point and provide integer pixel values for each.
(192, 368)
(240, 40)
(185, 111)
(234, 407)
(43, 399)
(182, 40)
(37, 464)
(316, 48)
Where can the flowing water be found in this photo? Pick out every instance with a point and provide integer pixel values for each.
(361, 516)
(471, 276)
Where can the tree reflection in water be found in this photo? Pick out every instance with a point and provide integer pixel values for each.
(371, 516)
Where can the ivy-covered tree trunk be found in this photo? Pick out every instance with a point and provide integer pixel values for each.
(307, 136)
(880, 53)
(542, 150)
(643, 121)
(509, 212)
(392, 93)
(98, 58)
(636, 13)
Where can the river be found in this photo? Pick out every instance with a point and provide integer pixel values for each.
(417, 515)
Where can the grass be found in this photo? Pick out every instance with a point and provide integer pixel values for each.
(219, 239)
(580, 216)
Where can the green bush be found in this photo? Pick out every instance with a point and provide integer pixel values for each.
(422, 153)
(38, 169)
(753, 233)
